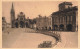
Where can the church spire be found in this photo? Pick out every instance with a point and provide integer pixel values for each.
(12, 16)
(12, 9)
(12, 5)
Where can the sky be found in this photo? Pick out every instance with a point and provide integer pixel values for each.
(31, 9)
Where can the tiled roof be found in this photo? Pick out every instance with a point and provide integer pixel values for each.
(65, 10)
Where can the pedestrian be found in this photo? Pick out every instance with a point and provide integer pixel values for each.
(8, 32)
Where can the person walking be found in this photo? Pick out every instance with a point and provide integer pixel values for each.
(8, 32)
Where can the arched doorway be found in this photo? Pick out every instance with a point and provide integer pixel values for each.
(69, 27)
(61, 27)
(36, 28)
(16, 24)
(42, 28)
(21, 24)
(49, 28)
(45, 28)
(26, 24)
(55, 27)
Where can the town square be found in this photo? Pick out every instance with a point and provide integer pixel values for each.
(40, 24)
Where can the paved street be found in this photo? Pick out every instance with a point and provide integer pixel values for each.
(68, 40)
(25, 38)
(20, 39)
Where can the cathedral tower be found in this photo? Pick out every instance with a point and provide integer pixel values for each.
(12, 16)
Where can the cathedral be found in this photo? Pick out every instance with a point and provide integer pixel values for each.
(21, 21)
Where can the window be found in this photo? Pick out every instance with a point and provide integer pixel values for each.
(68, 7)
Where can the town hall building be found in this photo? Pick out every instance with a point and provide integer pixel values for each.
(66, 19)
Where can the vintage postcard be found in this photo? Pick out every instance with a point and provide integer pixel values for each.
(40, 24)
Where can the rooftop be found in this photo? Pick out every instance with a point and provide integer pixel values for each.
(65, 10)
(67, 3)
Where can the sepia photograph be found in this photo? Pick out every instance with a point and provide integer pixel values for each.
(39, 24)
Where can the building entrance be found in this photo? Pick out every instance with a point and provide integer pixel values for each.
(69, 27)
(61, 27)
(27, 25)
(22, 24)
(55, 27)
(16, 24)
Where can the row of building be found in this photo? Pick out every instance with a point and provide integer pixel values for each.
(5, 25)
(65, 19)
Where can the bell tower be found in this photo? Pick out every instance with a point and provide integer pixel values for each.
(12, 16)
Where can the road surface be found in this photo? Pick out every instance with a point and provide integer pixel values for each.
(25, 38)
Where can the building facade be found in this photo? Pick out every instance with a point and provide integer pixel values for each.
(43, 23)
(66, 19)
(4, 24)
(21, 21)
